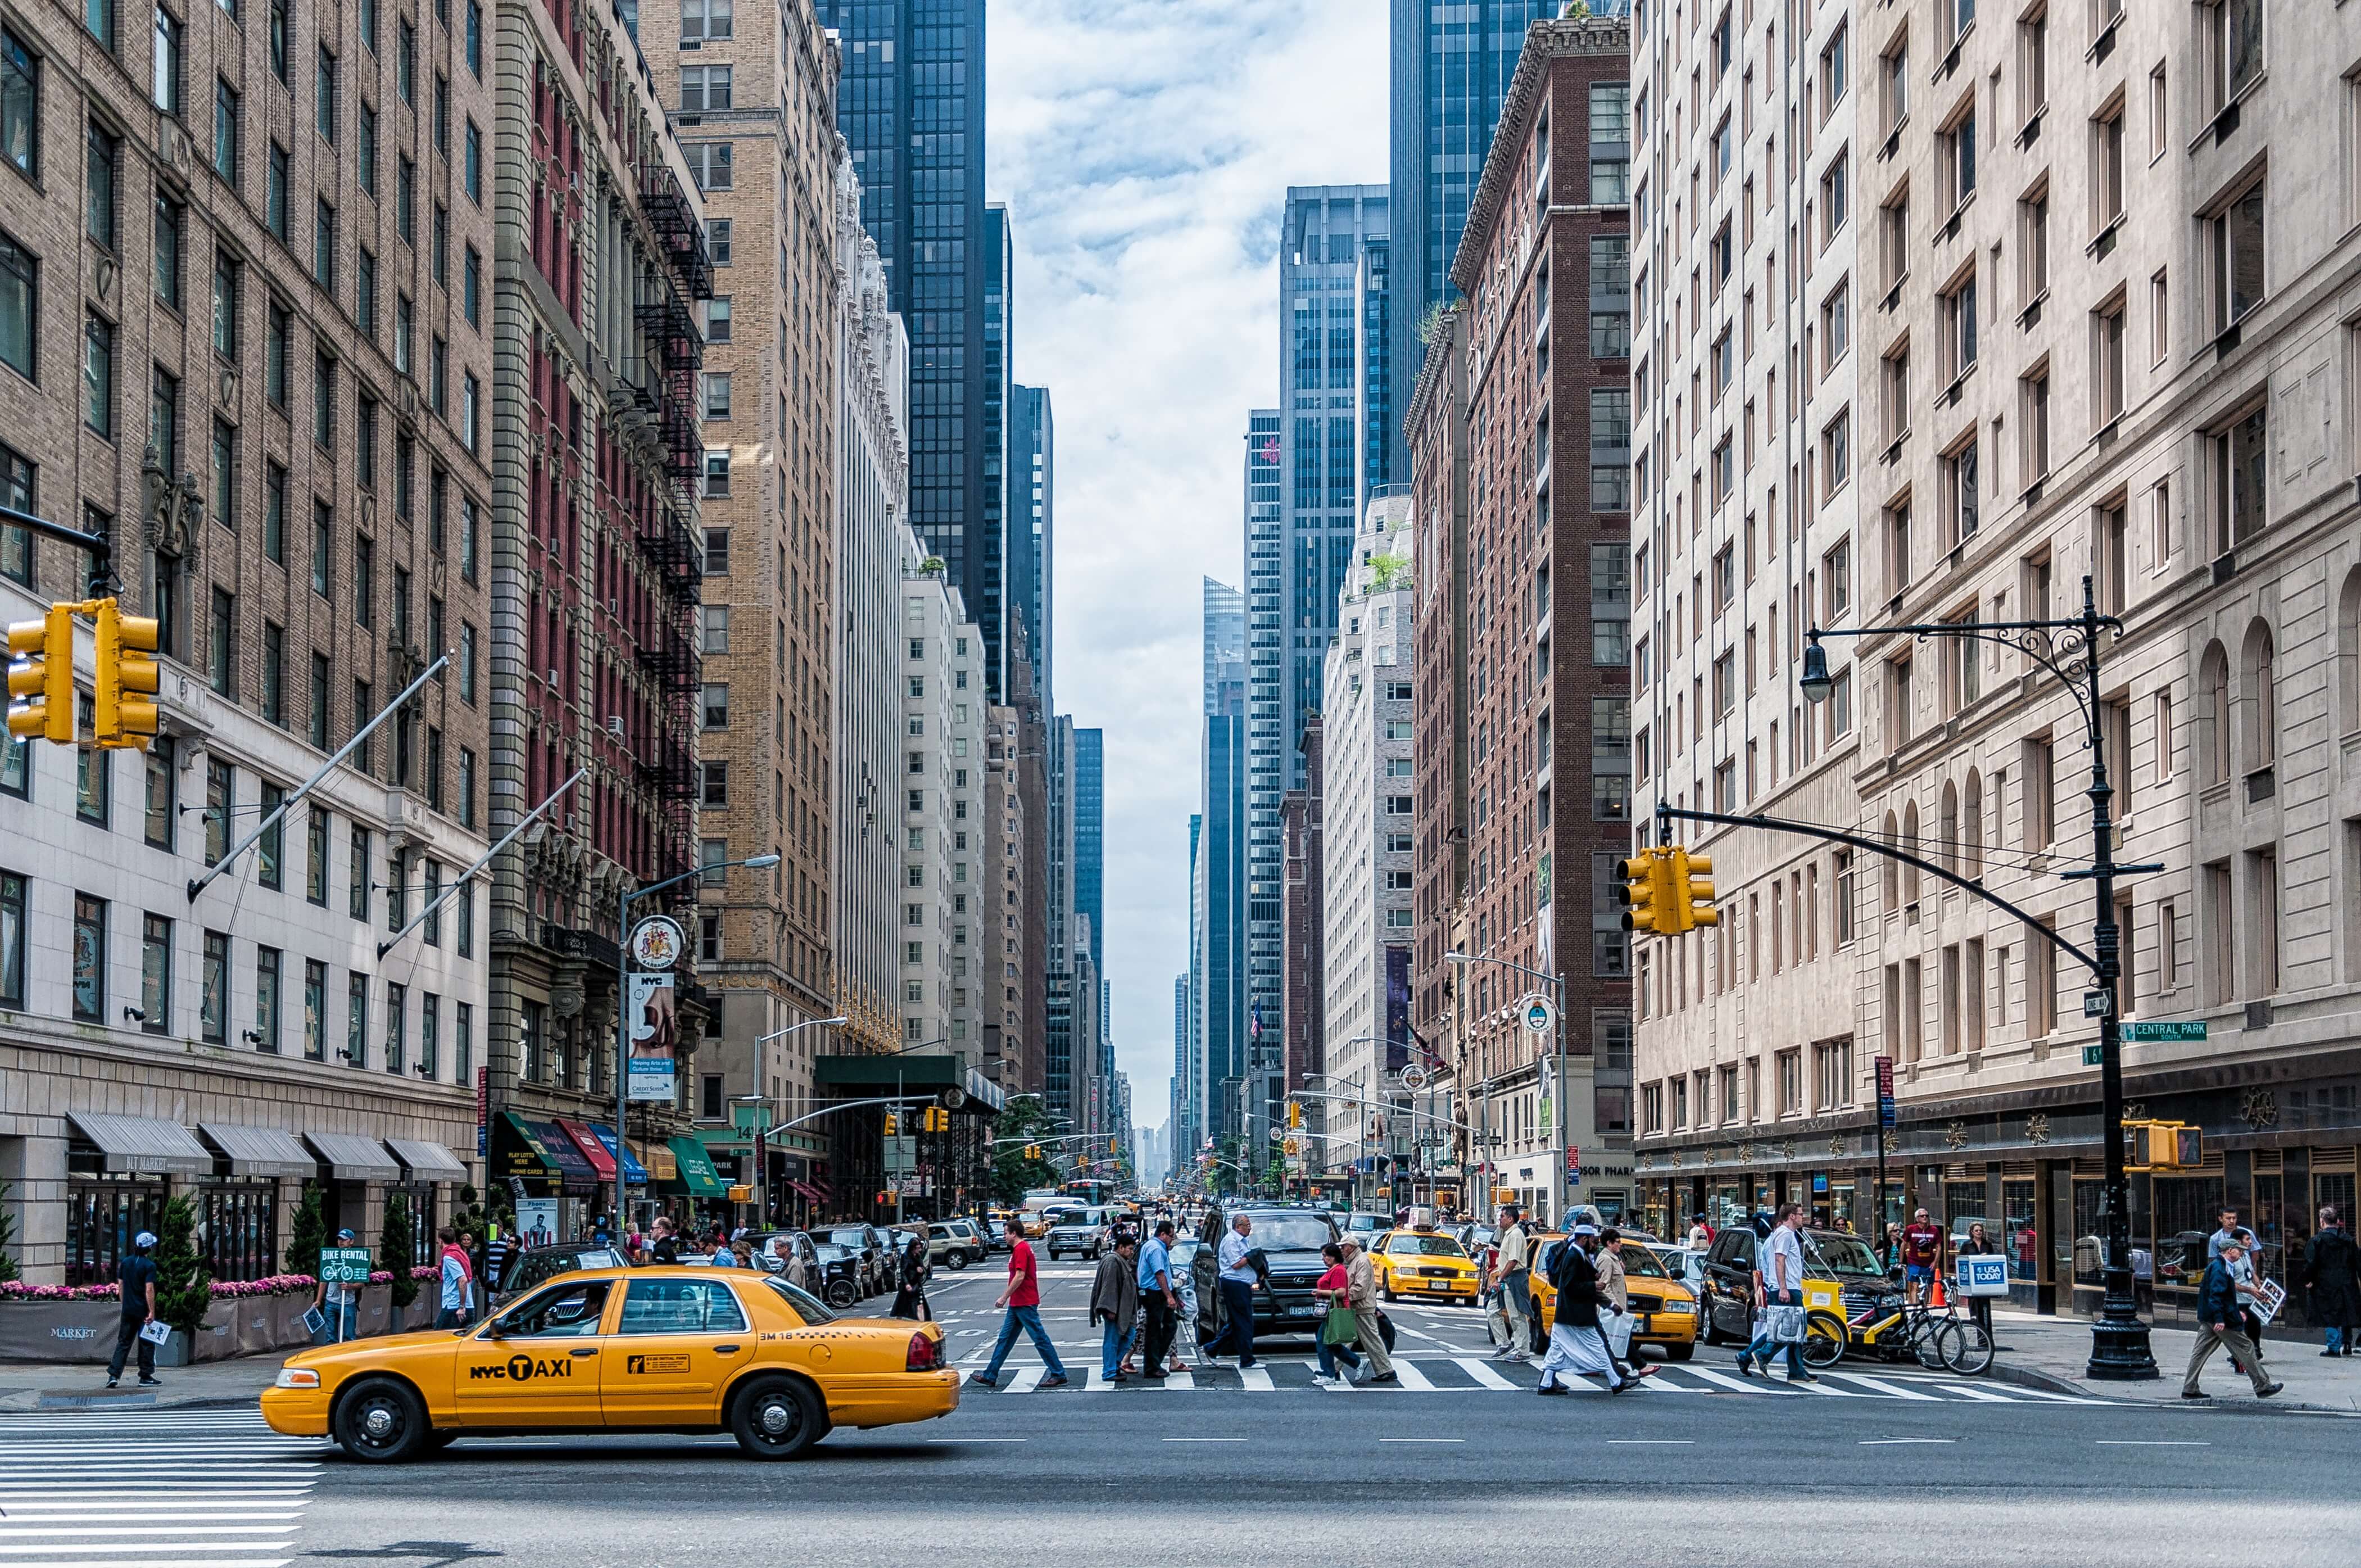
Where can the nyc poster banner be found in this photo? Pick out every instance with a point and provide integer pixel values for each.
(653, 1066)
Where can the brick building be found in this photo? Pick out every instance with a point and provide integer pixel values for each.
(1302, 922)
(1542, 571)
(245, 334)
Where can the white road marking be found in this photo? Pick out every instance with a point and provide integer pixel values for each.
(2149, 1442)
(1899, 1442)
(1650, 1443)
(1257, 1379)
(1893, 1390)
(1411, 1377)
(1422, 1440)
(1481, 1372)
(1024, 1379)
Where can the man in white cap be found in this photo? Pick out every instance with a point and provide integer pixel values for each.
(136, 1275)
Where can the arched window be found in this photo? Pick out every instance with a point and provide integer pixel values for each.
(2213, 714)
(1889, 878)
(2257, 701)
(2348, 654)
(1948, 830)
(1910, 842)
(1972, 823)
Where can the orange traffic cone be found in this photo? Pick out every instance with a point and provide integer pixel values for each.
(1939, 1301)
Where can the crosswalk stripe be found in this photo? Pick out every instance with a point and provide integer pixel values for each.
(1971, 1392)
(1181, 1380)
(1881, 1385)
(1724, 1380)
(1481, 1372)
(1411, 1377)
(1256, 1379)
(1024, 1379)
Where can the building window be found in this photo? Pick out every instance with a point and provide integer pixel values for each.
(98, 377)
(356, 1006)
(2235, 252)
(155, 975)
(2237, 455)
(709, 164)
(20, 313)
(2233, 48)
(1955, 152)
(20, 105)
(89, 956)
(704, 87)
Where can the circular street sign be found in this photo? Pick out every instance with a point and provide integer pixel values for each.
(1540, 1017)
(953, 1098)
(658, 942)
(1414, 1078)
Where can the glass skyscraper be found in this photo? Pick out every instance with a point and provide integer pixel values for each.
(910, 105)
(1218, 927)
(1032, 492)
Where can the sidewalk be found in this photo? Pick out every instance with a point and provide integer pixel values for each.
(36, 1386)
(2055, 1353)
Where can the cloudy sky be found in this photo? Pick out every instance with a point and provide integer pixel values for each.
(1144, 148)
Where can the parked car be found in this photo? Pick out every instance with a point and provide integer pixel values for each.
(955, 1243)
(864, 1242)
(996, 1231)
(530, 1268)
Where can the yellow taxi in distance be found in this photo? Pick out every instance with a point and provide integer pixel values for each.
(1665, 1309)
(668, 1349)
(1423, 1264)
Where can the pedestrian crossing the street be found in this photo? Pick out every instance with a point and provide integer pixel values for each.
(161, 1488)
(1431, 1373)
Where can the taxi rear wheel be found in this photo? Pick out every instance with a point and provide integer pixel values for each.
(776, 1418)
(382, 1422)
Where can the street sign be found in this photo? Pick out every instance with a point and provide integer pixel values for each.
(344, 1265)
(2093, 1056)
(2167, 1029)
(658, 942)
(1540, 1017)
(2095, 1004)
(1572, 1165)
(1886, 1092)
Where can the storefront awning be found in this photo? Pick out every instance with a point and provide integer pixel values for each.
(538, 1152)
(663, 1169)
(697, 1172)
(634, 1173)
(259, 1151)
(427, 1162)
(351, 1157)
(593, 1153)
(139, 1144)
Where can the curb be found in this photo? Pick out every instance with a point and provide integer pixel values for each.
(2051, 1382)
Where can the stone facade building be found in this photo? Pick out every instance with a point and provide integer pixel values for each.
(1541, 577)
(2024, 305)
(245, 335)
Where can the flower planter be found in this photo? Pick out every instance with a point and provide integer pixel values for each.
(58, 1330)
(376, 1312)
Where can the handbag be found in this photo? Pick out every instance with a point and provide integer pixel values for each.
(1786, 1323)
(1342, 1326)
(1386, 1329)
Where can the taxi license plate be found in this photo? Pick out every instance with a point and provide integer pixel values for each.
(1438, 1284)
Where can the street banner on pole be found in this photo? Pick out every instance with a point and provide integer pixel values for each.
(1886, 1092)
(653, 1018)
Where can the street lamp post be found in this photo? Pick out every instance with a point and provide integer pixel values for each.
(2068, 648)
(761, 1134)
(624, 901)
(1560, 1197)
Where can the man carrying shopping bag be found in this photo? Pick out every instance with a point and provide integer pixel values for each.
(1779, 1315)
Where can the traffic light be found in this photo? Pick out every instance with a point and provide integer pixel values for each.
(1294, 1113)
(40, 677)
(125, 642)
(893, 1125)
(2163, 1145)
(1693, 897)
(1647, 892)
(935, 1119)
(1032, 1151)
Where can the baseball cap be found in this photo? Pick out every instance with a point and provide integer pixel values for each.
(347, 1235)
(143, 1240)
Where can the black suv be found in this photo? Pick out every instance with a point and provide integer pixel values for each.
(1727, 1291)
(1290, 1240)
(530, 1268)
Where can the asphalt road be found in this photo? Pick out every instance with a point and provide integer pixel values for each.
(1901, 1469)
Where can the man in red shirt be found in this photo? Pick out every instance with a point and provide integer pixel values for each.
(1922, 1253)
(1022, 1300)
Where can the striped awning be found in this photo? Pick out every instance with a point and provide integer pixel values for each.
(141, 1143)
(259, 1151)
(427, 1161)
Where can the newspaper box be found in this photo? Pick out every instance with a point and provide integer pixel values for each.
(1983, 1276)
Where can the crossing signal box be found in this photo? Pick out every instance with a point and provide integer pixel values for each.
(2163, 1145)
(40, 677)
(1646, 893)
(123, 705)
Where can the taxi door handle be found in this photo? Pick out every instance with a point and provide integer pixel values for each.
(725, 1350)
(584, 1351)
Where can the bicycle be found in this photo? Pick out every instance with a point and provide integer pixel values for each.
(1893, 1326)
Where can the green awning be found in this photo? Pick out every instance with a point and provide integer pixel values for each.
(697, 1172)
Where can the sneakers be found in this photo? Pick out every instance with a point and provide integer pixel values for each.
(1549, 1389)
(1387, 1377)
(1746, 1367)
(2267, 1393)
(2195, 1394)
(113, 1381)
(158, 1383)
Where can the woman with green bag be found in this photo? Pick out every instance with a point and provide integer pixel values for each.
(1343, 1325)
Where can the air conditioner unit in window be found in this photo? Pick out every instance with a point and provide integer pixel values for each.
(614, 607)
(615, 725)
(552, 675)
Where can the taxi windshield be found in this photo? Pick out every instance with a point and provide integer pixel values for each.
(1638, 1262)
(1841, 1254)
(1425, 1246)
(808, 1307)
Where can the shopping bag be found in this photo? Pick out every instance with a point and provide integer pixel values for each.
(1342, 1326)
(155, 1330)
(1785, 1324)
(1616, 1327)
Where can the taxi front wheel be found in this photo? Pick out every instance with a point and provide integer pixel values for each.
(776, 1418)
(382, 1422)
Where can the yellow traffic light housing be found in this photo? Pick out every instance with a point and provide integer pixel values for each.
(1694, 897)
(2162, 1146)
(1294, 1113)
(892, 1125)
(1644, 911)
(125, 666)
(40, 677)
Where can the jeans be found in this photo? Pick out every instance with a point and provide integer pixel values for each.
(1237, 1300)
(1763, 1347)
(1329, 1355)
(2335, 1338)
(451, 1317)
(331, 1332)
(1029, 1319)
(1112, 1345)
(126, 1337)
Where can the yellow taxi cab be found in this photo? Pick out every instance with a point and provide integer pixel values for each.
(1663, 1309)
(671, 1349)
(1423, 1264)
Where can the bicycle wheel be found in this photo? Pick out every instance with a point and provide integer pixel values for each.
(1967, 1347)
(1824, 1339)
(1927, 1341)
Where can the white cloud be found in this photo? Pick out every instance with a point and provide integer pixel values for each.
(1144, 148)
